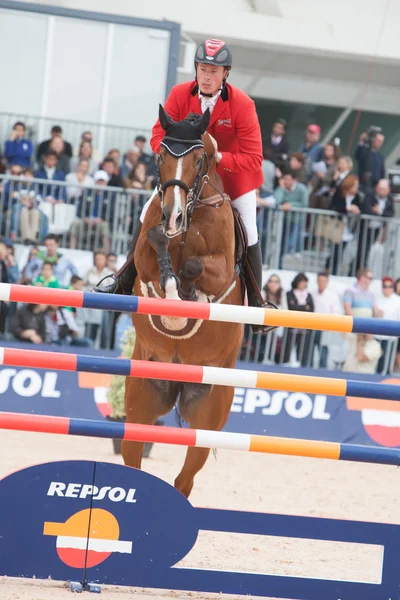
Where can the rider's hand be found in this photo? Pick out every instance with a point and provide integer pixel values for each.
(214, 143)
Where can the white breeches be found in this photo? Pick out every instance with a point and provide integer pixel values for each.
(246, 207)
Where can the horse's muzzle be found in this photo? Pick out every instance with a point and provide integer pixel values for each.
(172, 223)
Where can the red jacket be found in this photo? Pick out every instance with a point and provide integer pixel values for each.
(234, 124)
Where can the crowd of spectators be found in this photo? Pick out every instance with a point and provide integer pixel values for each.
(355, 353)
(28, 206)
(317, 176)
(50, 268)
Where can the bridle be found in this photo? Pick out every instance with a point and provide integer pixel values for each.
(193, 193)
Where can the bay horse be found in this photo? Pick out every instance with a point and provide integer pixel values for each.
(186, 250)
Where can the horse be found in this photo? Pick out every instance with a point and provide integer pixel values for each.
(186, 250)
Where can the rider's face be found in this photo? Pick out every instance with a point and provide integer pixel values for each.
(210, 78)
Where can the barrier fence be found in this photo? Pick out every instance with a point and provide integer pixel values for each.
(83, 218)
(300, 239)
(198, 374)
(199, 438)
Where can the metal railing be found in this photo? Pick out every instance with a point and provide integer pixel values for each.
(83, 218)
(316, 240)
(105, 136)
(311, 240)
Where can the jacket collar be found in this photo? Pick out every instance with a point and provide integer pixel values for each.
(195, 104)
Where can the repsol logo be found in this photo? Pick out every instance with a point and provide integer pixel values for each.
(79, 490)
(296, 404)
(28, 383)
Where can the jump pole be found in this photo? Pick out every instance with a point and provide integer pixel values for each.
(199, 438)
(198, 374)
(199, 310)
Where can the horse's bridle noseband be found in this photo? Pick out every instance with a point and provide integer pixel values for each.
(192, 193)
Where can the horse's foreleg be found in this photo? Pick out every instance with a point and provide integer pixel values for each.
(206, 273)
(211, 413)
(169, 282)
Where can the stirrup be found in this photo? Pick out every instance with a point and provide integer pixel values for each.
(109, 289)
(263, 329)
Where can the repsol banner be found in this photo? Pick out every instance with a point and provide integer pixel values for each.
(268, 412)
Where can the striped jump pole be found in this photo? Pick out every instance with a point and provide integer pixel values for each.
(199, 310)
(198, 374)
(200, 438)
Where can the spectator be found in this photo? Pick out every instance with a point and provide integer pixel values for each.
(92, 277)
(359, 301)
(312, 147)
(95, 215)
(346, 201)
(79, 180)
(278, 143)
(56, 131)
(370, 161)
(109, 166)
(26, 218)
(378, 203)
(130, 160)
(139, 146)
(299, 298)
(112, 260)
(11, 264)
(344, 168)
(27, 214)
(87, 137)
(115, 154)
(61, 328)
(28, 324)
(51, 192)
(10, 191)
(324, 173)
(32, 254)
(61, 264)
(76, 284)
(273, 292)
(363, 355)
(389, 306)
(18, 149)
(297, 165)
(85, 153)
(3, 279)
(264, 195)
(326, 301)
(46, 278)
(58, 146)
(7, 255)
(152, 171)
(291, 194)
(137, 179)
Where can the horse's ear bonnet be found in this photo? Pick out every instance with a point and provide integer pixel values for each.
(185, 136)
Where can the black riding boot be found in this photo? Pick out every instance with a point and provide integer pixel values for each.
(124, 279)
(253, 279)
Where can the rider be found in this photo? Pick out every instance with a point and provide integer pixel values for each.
(235, 132)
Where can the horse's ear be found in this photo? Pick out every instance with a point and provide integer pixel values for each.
(165, 120)
(204, 121)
